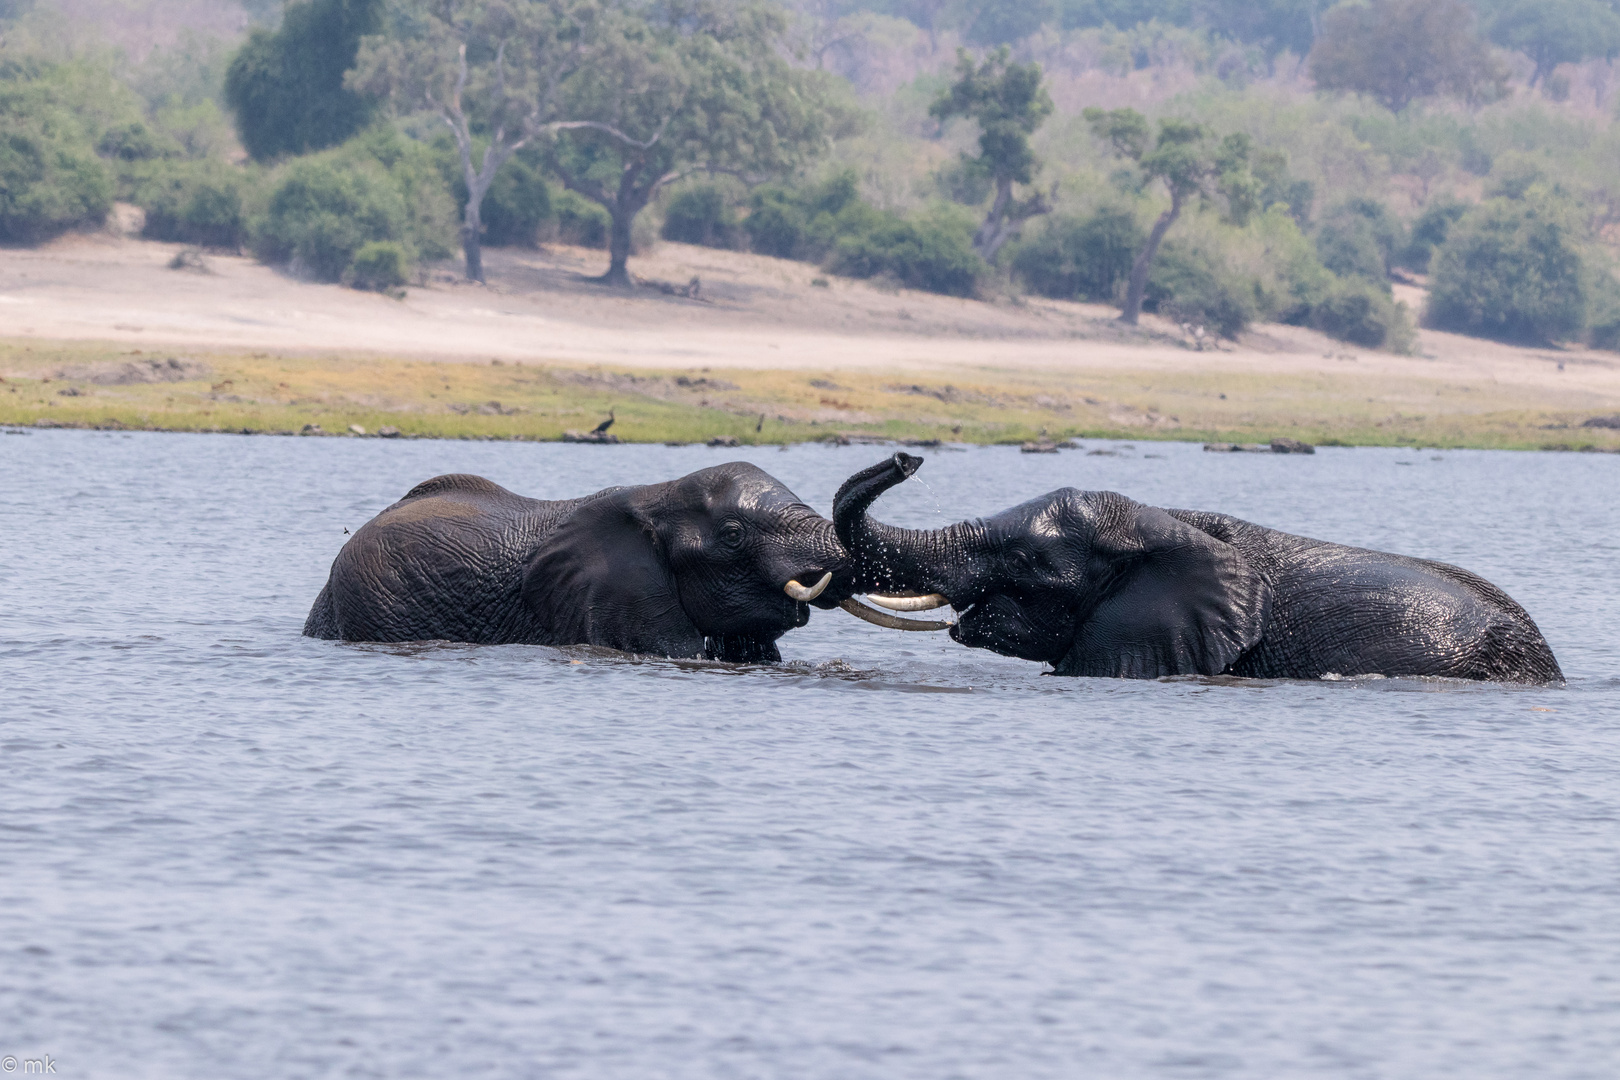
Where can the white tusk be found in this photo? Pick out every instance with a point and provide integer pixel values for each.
(893, 622)
(908, 603)
(804, 595)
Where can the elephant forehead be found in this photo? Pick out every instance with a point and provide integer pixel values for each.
(740, 485)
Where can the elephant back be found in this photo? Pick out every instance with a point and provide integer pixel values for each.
(443, 563)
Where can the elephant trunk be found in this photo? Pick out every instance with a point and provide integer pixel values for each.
(887, 559)
(817, 552)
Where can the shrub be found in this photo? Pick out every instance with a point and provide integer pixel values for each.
(379, 265)
(581, 221)
(51, 118)
(323, 211)
(431, 221)
(1603, 308)
(192, 202)
(805, 223)
(932, 254)
(48, 183)
(1191, 285)
(1511, 270)
(516, 205)
(1429, 231)
(1361, 313)
(699, 215)
(134, 141)
(1088, 258)
(1360, 238)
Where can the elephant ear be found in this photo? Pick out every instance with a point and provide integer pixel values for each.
(1184, 603)
(602, 578)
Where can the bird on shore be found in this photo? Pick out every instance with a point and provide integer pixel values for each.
(601, 429)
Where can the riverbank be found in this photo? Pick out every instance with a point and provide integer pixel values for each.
(98, 331)
(106, 386)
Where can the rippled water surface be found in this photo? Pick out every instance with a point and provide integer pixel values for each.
(229, 851)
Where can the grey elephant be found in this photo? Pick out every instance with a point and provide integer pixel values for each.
(718, 564)
(1097, 584)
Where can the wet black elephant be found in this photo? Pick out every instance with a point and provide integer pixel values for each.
(1097, 584)
(717, 564)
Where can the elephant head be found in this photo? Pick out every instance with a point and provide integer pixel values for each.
(1088, 581)
(719, 563)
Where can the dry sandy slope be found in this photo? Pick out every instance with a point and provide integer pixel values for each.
(755, 312)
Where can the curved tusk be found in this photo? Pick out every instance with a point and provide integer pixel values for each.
(893, 622)
(908, 603)
(804, 595)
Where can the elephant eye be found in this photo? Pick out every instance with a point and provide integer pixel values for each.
(731, 533)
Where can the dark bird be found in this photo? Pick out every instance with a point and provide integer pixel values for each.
(761, 425)
(604, 425)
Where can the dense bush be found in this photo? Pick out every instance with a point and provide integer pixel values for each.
(581, 221)
(1360, 238)
(49, 182)
(323, 210)
(51, 118)
(379, 186)
(1193, 285)
(1081, 258)
(431, 220)
(1361, 313)
(1602, 306)
(804, 223)
(286, 87)
(1512, 270)
(934, 253)
(379, 265)
(192, 202)
(700, 215)
(1429, 231)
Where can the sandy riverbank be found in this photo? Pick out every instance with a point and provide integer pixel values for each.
(768, 338)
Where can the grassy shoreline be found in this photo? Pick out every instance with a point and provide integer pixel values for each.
(87, 384)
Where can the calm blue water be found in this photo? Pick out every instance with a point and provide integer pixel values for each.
(229, 851)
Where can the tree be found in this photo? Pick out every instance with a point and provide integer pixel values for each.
(1553, 32)
(1190, 164)
(521, 52)
(676, 90)
(286, 87)
(1009, 101)
(1398, 51)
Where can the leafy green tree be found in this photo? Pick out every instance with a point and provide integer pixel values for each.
(286, 87)
(1398, 51)
(491, 70)
(1553, 32)
(668, 91)
(1187, 160)
(1009, 102)
(1511, 269)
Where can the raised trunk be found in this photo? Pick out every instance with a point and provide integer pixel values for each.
(912, 561)
(1136, 291)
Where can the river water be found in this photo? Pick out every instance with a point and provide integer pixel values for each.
(230, 851)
